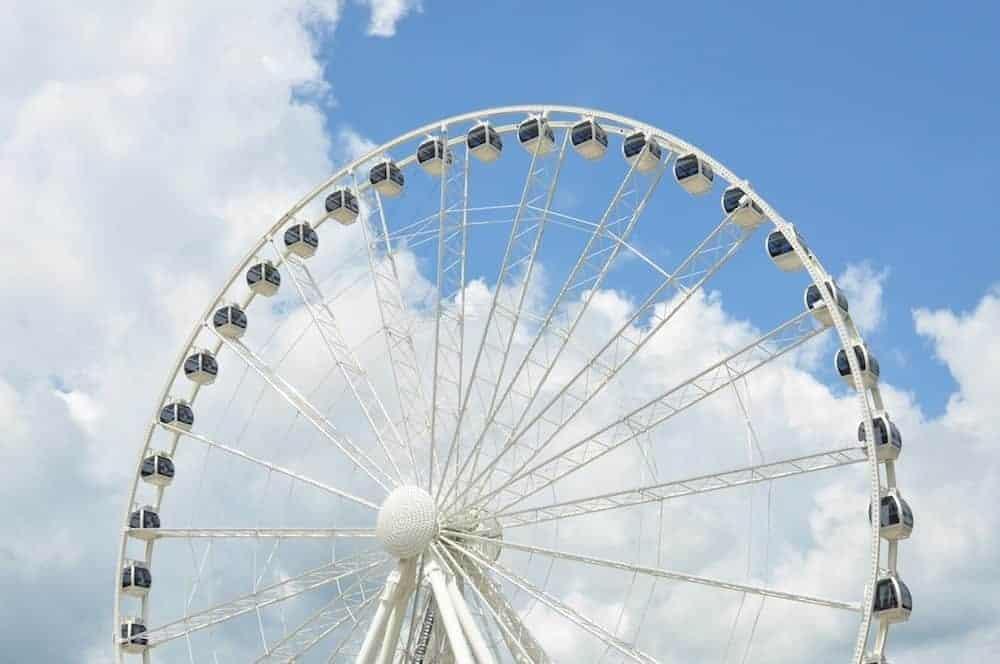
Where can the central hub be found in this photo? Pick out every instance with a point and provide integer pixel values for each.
(407, 522)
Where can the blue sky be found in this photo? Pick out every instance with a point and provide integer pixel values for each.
(872, 127)
(145, 146)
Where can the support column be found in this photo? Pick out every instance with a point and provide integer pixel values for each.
(446, 610)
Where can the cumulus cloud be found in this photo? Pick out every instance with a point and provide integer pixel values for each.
(385, 14)
(863, 286)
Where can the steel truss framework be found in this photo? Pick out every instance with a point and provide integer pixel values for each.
(487, 424)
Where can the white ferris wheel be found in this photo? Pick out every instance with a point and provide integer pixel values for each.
(450, 408)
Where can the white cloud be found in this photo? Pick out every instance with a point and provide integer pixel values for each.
(863, 286)
(387, 13)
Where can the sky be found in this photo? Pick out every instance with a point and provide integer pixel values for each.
(143, 149)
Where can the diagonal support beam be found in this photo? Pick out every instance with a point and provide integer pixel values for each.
(674, 576)
(653, 493)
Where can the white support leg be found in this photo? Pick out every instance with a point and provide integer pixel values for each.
(446, 610)
(392, 629)
(388, 612)
(476, 641)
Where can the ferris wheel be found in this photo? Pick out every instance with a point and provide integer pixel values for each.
(486, 419)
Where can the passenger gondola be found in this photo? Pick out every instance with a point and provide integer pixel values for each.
(177, 413)
(895, 518)
(742, 209)
(866, 363)
(342, 205)
(301, 239)
(888, 441)
(536, 135)
(781, 252)
(133, 639)
(642, 151)
(433, 156)
(143, 523)
(230, 321)
(892, 602)
(201, 367)
(387, 178)
(589, 139)
(693, 173)
(817, 305)
(157, 469)
(263, 278)
(484, 143)
(136, 578)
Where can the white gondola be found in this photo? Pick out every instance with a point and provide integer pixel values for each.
(694, 174)
(136, 578)
(888, 441)
(143, 523)
(484, 143)
(157, 469)
(866, 361)
(263, 278)
(892, 602)
(536, 135)
(201, 367)
(815, 303)
(342, 205)
(780, 250)
(589, 139)
(177, 413)
(744, 211)
(434, 156)
(302, 240)
(895, 518)
(230, 321)
(644, 152)
(132, 638)
(387, 178)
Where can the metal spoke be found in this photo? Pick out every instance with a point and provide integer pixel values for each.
(278, 592)
(784, 338)
(571, 615)
(675, 576)
(586, 277)
(685, 487)
(344, 608)
(272, 467)
(397, 328)
(308, 410)
(449, 319)
(693, 272)
(523, 243)
(357, 378)
(520, 641)
(255, 533)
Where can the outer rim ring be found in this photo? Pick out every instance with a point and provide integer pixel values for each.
(847, 332)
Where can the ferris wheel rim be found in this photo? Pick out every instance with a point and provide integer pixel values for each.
(848, 334)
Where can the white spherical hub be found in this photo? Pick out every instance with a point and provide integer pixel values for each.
(407, 522)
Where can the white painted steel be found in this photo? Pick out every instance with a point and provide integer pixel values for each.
(462, 478)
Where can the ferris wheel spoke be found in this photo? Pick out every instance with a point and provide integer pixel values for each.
(560, 608)
(526, 481)
(602, 367)
(584, 280)
(346, 607)
(271, 467)
(310, 412)
(523, 242)
(519, 640)
(355, 376)
(679, 576)
(397, 328)
(256, 533)
(654, 493)
(270, 595)
(449, 319)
